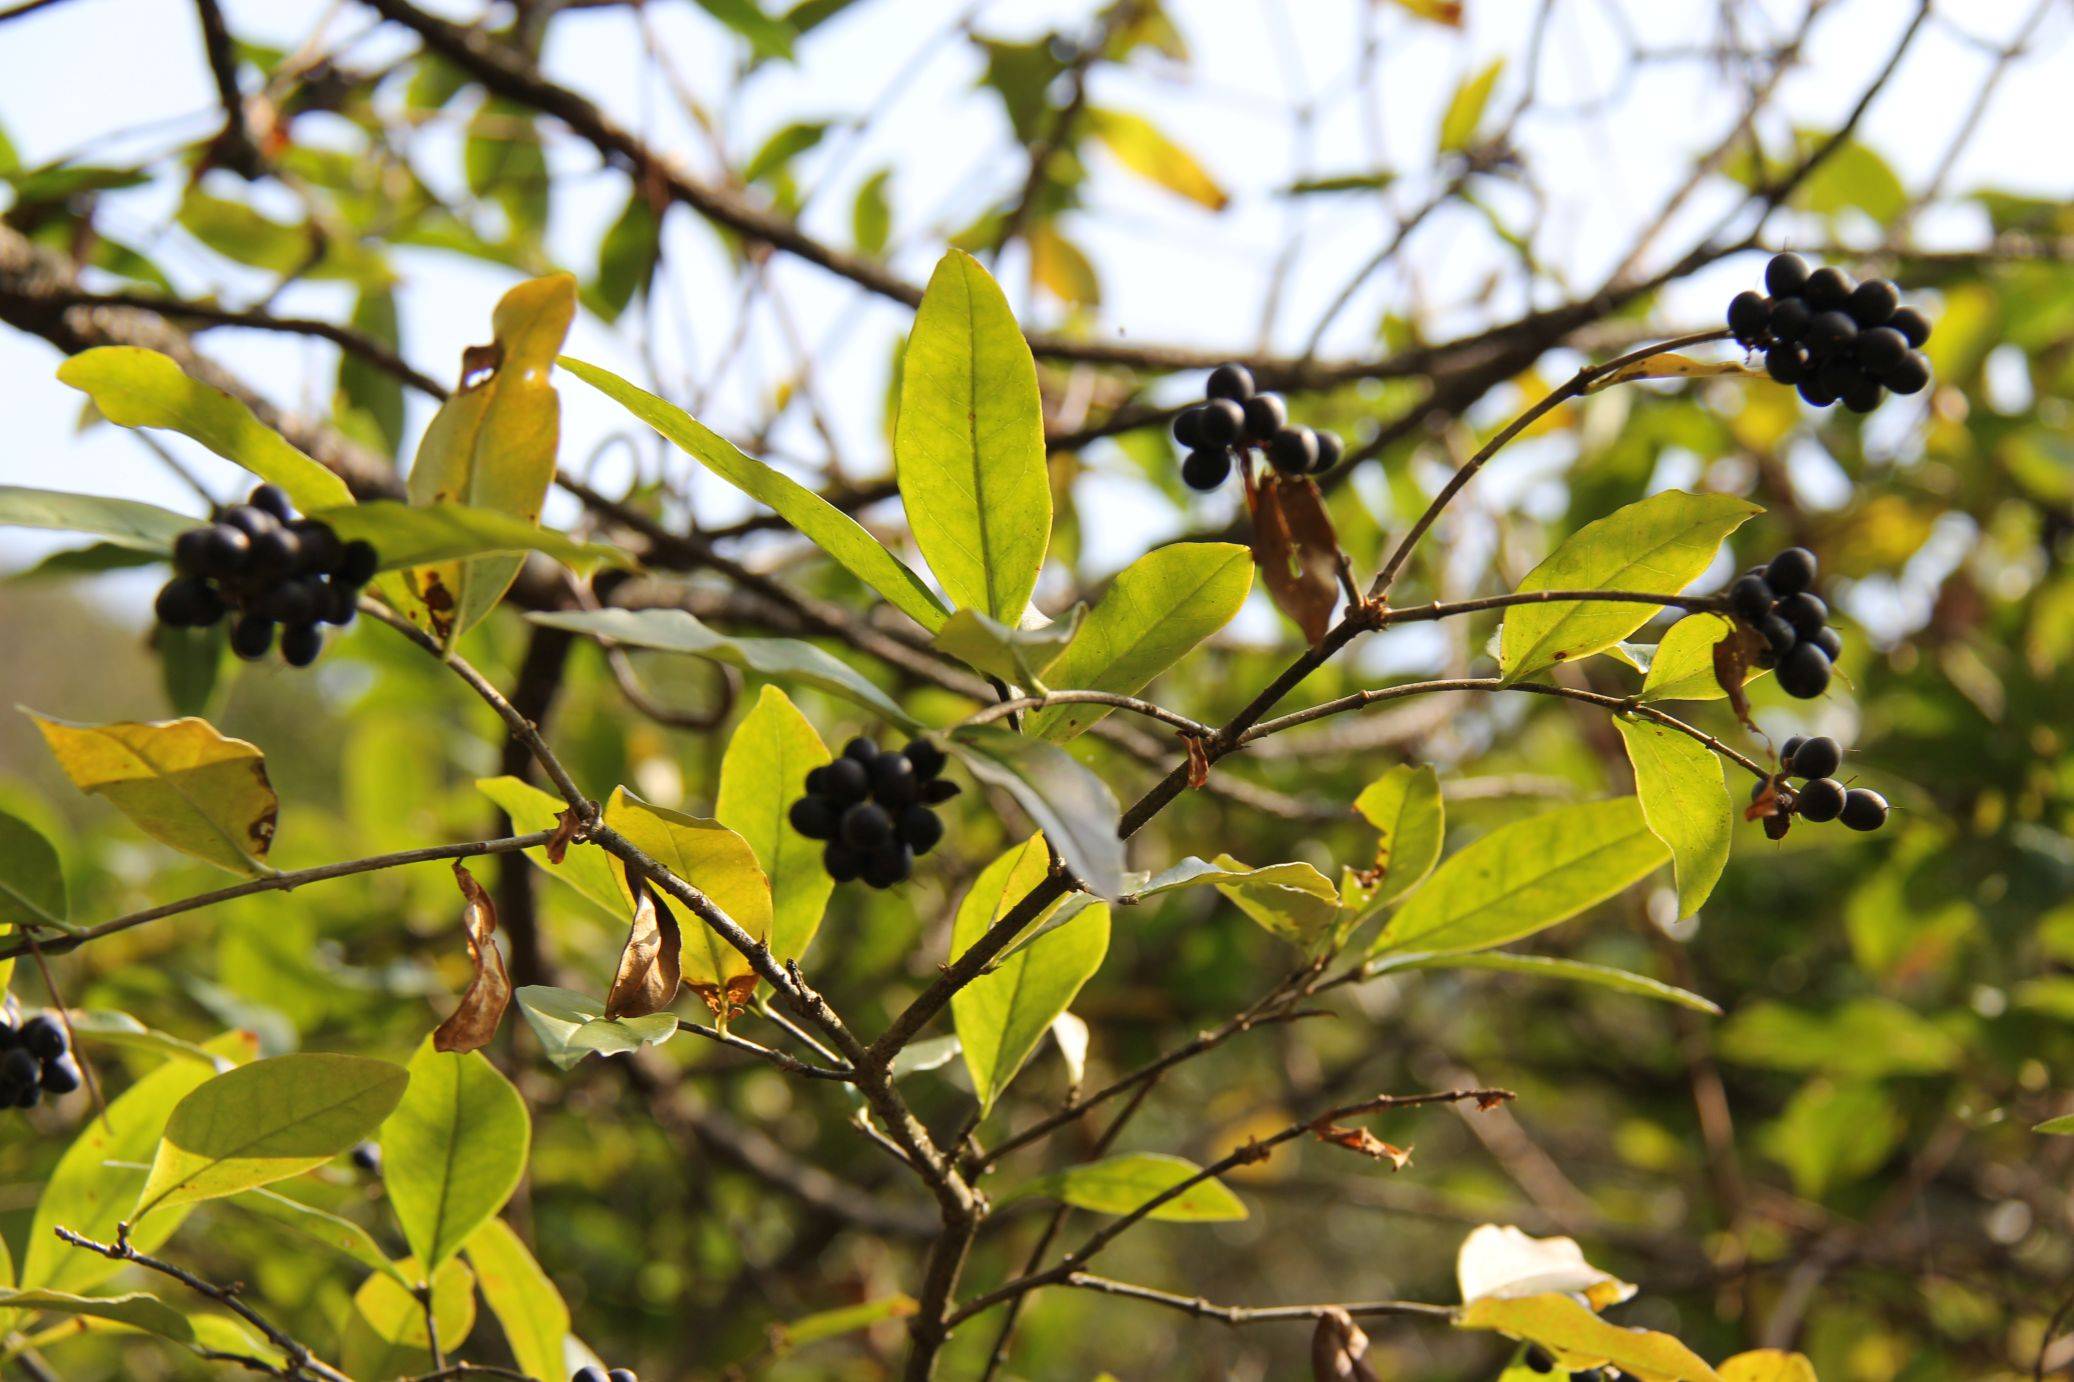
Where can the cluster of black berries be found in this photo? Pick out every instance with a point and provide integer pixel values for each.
(1539, 1359)
(1833, 339)
(593, 1373)
(1820, 797)
(873, 809)
(1233, 418)
(34, 1060)
(1777, 600)
(273, 569)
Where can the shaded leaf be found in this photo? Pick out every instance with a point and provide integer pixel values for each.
(1120, 1184)
(1405, 808)
(474, 1020)
(785, 145)
(1069, 803)
(767, 37)
(762, 773)
(830, 1324)
(627, 256)
(1553, 967)
(406, 535)
(1866, 1038)
(32, 880)
(138, 1310)
(453, 1150)
(125, 523)
(573, 1025)
(1297, 551)
(337, 1234)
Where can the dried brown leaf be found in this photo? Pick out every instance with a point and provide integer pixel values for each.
(1297, 551)
(1674, 367)
(650, 967)
(1198, 761)
(726, 1002)
(1365, 1142)
(1337, 1348)
(566, 826)
(1734, 656)
(474, 1021)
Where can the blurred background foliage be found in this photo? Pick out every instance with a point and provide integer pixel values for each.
(1843, 1162)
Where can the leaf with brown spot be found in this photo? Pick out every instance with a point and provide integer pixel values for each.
(1297, 551)
(650, 965)
(1734, 656)
(1365, 1142)
(471, 1025)
(726, 1001)
(1198, 761)
(1338, 1346)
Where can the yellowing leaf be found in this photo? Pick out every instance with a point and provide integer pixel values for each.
(1465, 108)
(386, 1335)
(1674, 366)
(586, 868)
(1120, 1184)
(1405, 808)
(1580, 1340)
(1768, 1365)
(763, 772)
(1063, 270)
(1293, 901)
(713, 859)
(522, 1297)
(179, 781)
(492, 446)
(1685, 800)
(1682, 668)
(1142, 147)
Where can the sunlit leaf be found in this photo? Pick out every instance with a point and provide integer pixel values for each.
(405, 535)
(137, 1310)
(871, 214)
(1120, 1184)
(1072, 805)
(847, 1319)
(1145, 149)
(1682, 668)
(522, 1297)
(761, 775)
(453, 1150)
(126, 523)
(1767, 1365)
(386, 1334)
(1552, 967)
(1685, 801)
(584, 867)
(331, 1231)
(573, 1025)
(1866, 1038)
(1405, 808)
(1019, 656)
(1466, 106)
(1580, 1340)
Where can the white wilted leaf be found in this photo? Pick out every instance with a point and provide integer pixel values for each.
(1499, 1262)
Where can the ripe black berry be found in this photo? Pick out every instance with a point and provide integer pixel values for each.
(889, 864)
(862, 749)
(1838, 375)
(842, 862)
(1293, 450)
(1778, 633)
(939, 791)
(1863, 396)
(1206, 470)
(1820, 756)
(191, 552)
(1864, 809)
(920, 828)
(815, 817)
(275, 552)
(927, 758)
(1220, 422)
(61, 1076)
(1786, 275)
(1266, 415)
(1538, 1359)
(1748, 314)
(1912, 375)
(1330, 449)
(1791, 572)
(320, 548)
(1775, 827)
(300, 644)
(847, 780)
(1881, 349)
(248, 520)
(1786, 363)
(1814, 394)
(1830, 331)
(1804, 671)
(893, 780)
(366, 1157)
(251, 636)
(1805, 611)
(866, 826)
(1232, 381)
(1872, 302)
(1913, 326)
(1827, 287)
(1829, 641)
(1820, 800)
(341, 603)
(43, 1037)
(588, 1373)
(1750, 598)
(1789, 319)
(187, 602)
(19, 1070)
(291, 602)
(272, 499)
(621, 1375)
(1791, 747)
(1188, 427)
(357, 562)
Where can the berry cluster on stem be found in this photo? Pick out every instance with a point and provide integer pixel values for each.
(1820, 797)
(873, 809)
(35, 1060)
(1833, 339)
(1233, 420)
(1778, 601)
(270, 569)
(591, 1372)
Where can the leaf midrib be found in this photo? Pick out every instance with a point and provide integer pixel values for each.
(1492, 902)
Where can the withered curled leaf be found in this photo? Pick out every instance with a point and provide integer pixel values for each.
(1734, 656)
(1365, 1142)
(727, 1001)
(1337, 1348)
(566, 826)
(471, 1024)
(650, 966)
(1297, 551)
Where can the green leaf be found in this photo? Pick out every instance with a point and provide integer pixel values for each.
(1142, 147)
(572, 1025)
(1833, 1134)
(492, 446)
(627, 256)
(32, 881)
(1405, 808)
(1685, 801)
(713, 859)
(179, 781)
(1580, 1340)
(762, 773)
(871, 214)
(1293, 901)
(138, 1310)
(190, 661)
(820, 522)
(1682, 668)
(405, 535)
(522, 1297)
(1525, 877)
(846, 1319)
(781, 148)
(93, 559)
(1016, 655)
(265, 1122)
(1866, 1038)
(1550, 967)
(134, 387)
(366, 390)
(1119, 1184)
(786, 660)
(1003, 1014)
(969, 445)
(767, 37)
(1062, 796)
(124, 522)
(1154, 613)
(1465, 108)
(121, 1030)
(453, 1150)
(585, 867)
(2062, 1126)
(337, 1234)
(94, 1186)
(1658, 545)
(505, 164)
(386, 1337)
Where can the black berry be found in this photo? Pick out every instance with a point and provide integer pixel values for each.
(920, 828)
(191, 553)
(248, 520)
(251, 636)
(357, 562)
(1293, 450)
(1791, 572)
(621, 1375)
(1188, 427)
(1748, 314)
(1864, 809)
(1863, 396)
(893, 780)
(1786, 363)
(1881, 349)
(1206, 470)
(1791, 747)
(275, 552)
(19, 1070)
(1230, 381)
(1786, 275)
(1827, 288)
(367, 1157)
(1778, 633)
(1872, 302)
(862, 749)
(1829, 641)
(1750, 598)
(847, 780)
(814, 817)
(187, 602)
(1814, 394)
(43, 1036)
(866, 826)
(1538, 1359)
(1265, 415)
(61, 1076)
(842, 862)
(272, 499)
(1830, 331)
(1820, 756)
(927, 758)
(1820, 800)
(1912, 375)
(1220, 422)
(1913, 326)
(1789, 319)
(300, 644)
(889, 864)
(1805, 611)
(939, 791)
(320, 548)
(1804, 671)
(588, 1373)
(1330, 449)
(1775, 827)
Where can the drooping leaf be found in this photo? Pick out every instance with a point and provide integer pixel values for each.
(786, 660)
(1297, 551)
(93, 559)
(969, 445)
(134, 387)
(474, 1019)
(1685, 801)
(125, 523)
(406, 535)
(827, 527)
(265, 1122)
(651, 963)
(846, 1319)
(522, 1297)
(762, 773)
(179, 781)
(628, 254)
(386, 1334)
(1658, 545)
(1682, 668)
(1466, 106)
(1526, 876)
(1120, 1184)
(1580, 1340)
(1003, 1014)
(1073, 806)
(572, 1025)
(1553, 967)
(137, 1310)
(453, 1150)
(1405, 808)
(1144, 148)
(716, 861)
(1019, 656)
(584, 867)
(1154, 613)
(492, 446)
(32, 881)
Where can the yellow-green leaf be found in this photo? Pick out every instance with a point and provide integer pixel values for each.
(453, 1150)
(1581, 1340)
(179, 781)
(1144, 148)
(969, 446)
(404, 535)
(522, 1297)
(1685, 801)
(1552, 967)
(1768, 1365)
(713, 859)
(492, 446)
(844, 1319)
(763, 772)
(265, 1122)
(135, 387)
(1119, 1184)
(386, 1336)
(32, 881)
(584, 867)
(1526, 876)
(1405, 808)
(1465, 108)
(1020, 656)
(572, 1025)
(1682, 668)
(124, 523)
(138, 1310)
(1658, 545)
(1154, 613)
(1293, 901)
